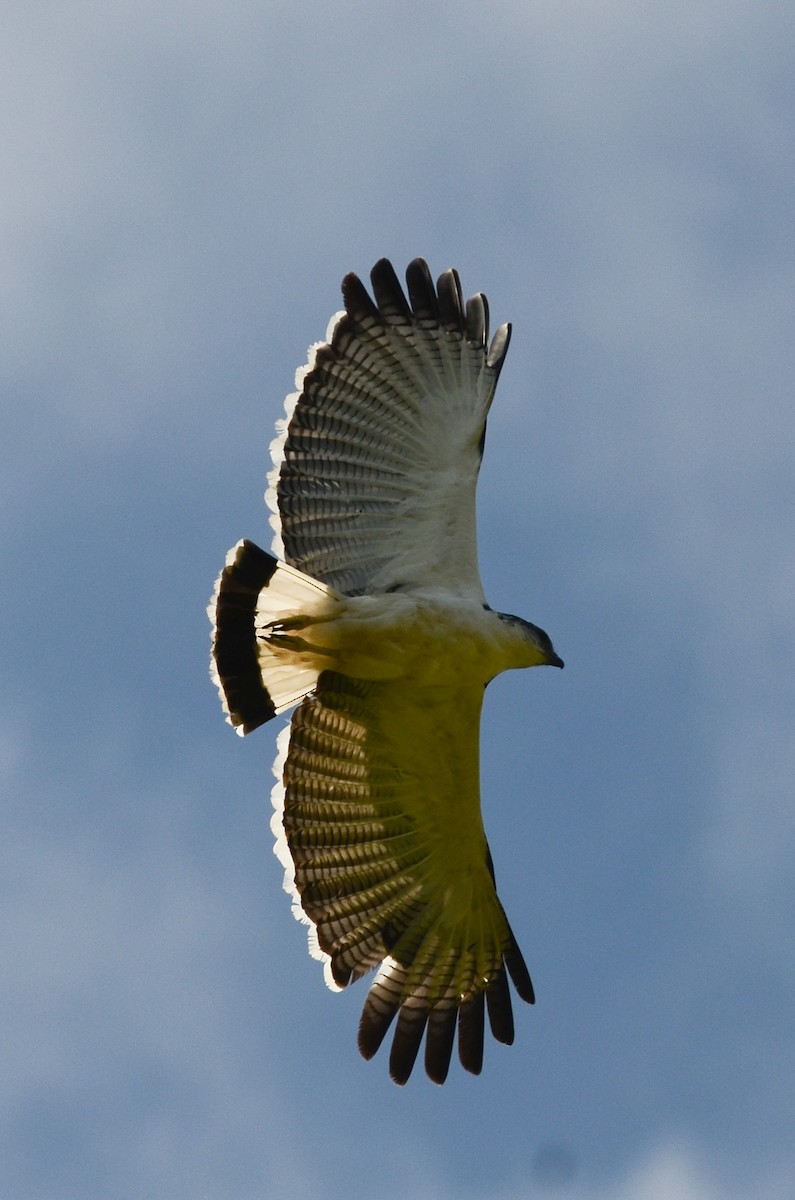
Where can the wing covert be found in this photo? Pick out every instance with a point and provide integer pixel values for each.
(376, 463)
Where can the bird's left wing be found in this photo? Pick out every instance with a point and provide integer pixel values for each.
(375, 466)
(378, 824)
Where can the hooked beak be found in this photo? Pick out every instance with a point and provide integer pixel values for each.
(554, 661)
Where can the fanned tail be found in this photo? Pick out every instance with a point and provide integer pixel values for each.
(253, 592)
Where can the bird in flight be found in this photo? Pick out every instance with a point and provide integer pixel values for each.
(371, 618)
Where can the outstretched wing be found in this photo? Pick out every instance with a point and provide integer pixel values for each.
(378, 823)
(375, 468)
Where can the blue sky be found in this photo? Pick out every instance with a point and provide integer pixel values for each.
(184, 187)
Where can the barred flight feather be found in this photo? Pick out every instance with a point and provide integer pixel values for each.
(385, 899)
(399, 393)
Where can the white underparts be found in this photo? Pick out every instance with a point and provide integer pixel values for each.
(428, 639)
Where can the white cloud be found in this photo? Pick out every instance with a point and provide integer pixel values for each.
(672, 1171)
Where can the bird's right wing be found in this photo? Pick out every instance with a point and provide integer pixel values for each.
(378, 823)
(375, 466)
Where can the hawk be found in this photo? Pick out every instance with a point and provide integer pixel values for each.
(371, 618)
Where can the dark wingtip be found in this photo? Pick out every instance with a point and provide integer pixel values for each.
(439, 1043)
(451, 301)
(422, 293)
(499, 348)
(470, 1033)
(389, 295)
(377, 1016)
(477, 319)
(517, 969)
(406, 1043)
(358, 302)
(500, 1010)
(442, 304)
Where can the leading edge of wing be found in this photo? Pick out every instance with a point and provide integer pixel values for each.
(377, 823)
(376, 459)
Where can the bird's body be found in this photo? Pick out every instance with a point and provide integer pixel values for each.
(377, 627)
(423, 639)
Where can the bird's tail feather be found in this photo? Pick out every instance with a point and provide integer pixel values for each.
(256, 678)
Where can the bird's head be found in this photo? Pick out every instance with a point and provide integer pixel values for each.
(534, 646)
